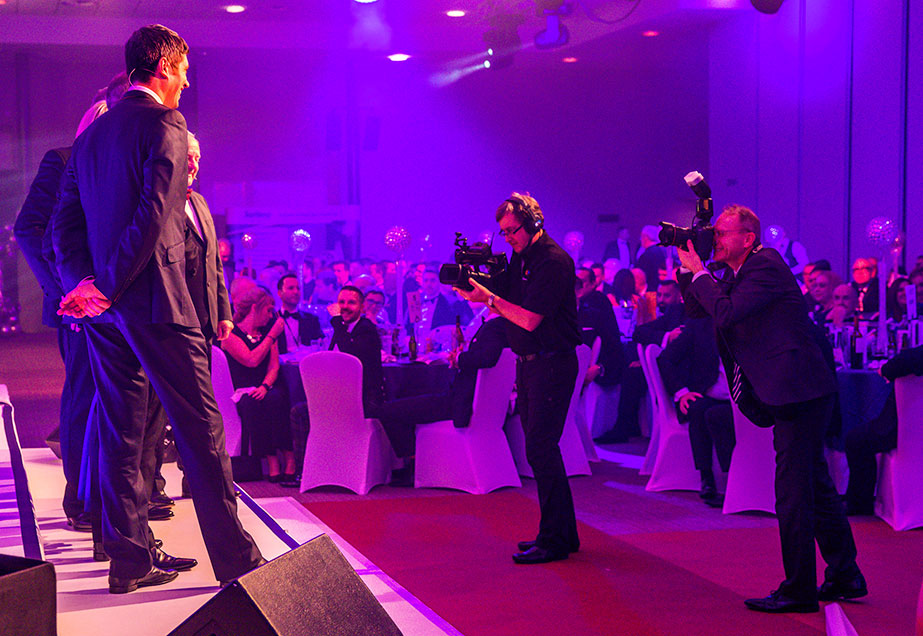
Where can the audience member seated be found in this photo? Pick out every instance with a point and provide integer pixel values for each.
(307, 275)
(340, 272)
(619, 250)
(652, 257)
(793, 253)
(254, 362)
(436, 309)
(845, 302)
(865, 282)
(325, 297)
(374, 308)
(670, 316)
(693, 375)
(809, 271)
(240, 286)
(916, 277)
(876, 436)
(823, 284)
(400, 417)
(595, 314)
(897, 299)
(301, 328)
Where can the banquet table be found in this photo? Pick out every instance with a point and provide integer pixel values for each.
(862, 395)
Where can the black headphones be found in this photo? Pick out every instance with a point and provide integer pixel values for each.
(532, 218)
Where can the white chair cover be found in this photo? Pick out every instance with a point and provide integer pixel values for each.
(571, 444)
(343, 448)
(647, 467)
(579, 410)
(900, 476)
(752, 476)
(224, 389)
(477, 458)
(673, 467)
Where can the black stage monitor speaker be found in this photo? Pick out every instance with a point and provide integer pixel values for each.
(311, 590)
(27, 597)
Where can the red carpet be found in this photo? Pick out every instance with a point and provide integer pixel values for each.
(453, 553)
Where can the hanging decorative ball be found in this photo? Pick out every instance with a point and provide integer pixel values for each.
(248, 241)
(573, 241)
(300, 240)
(881, 231)
(397, 239)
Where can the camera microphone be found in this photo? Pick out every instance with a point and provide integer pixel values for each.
(696, 181)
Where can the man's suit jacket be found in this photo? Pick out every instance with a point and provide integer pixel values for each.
(308, 330)
(31, 228)
(691, 359)
(594, 311)
(762, 323)
(482, 353)
(204, 270)
(364, 343)
(653, 332)
(121, 215)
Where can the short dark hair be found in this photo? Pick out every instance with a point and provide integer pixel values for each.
(147, 45)
(281, 281)
(668, 283)
(589, 271)
(354, 289)
(823, 265)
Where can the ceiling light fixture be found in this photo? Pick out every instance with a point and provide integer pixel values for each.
(569, 60)
(650, 34)
(366, 1)
(455, 13)
(398, 57)
(235, 8)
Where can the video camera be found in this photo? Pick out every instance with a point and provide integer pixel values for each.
(471, 261)
(702, 234)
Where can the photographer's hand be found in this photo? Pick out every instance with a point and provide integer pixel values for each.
(689, 258)
(479, 293)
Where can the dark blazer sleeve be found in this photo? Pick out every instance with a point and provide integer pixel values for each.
(215, 267)
(69, 232)
(164, 174)
(309, 328)
(675, 362)
(757, 289)
(907, 362)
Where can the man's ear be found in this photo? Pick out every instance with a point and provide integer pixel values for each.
(163, 66)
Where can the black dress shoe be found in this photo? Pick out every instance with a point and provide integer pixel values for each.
(227, 582)
(80, 523)
(99, 554)
(158, 513)
(290, 481)
(717, 501)
(778, 603)
(155, 577)
(164, 561)
(835, 590)
(161, 499)
(536, 554)
(274, 479)
(525, 546)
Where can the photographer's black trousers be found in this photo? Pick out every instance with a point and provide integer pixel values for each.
(545, 386)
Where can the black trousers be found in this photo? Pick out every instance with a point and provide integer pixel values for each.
(400, 417)
(634, 388)
(711, 432)
(76, 397)
(863, 441)
(807, 504)
(175, 361)
(545, 386)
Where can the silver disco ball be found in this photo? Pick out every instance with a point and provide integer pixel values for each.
(881, 231)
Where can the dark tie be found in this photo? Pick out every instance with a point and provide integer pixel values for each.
(736, 383)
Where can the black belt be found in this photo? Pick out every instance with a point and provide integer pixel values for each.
(541, 355)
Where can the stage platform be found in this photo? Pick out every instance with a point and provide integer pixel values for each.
(84, 603)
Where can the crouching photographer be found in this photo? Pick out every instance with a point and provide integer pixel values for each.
(536, 295)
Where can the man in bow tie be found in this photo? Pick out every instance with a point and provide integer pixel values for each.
(300, 327)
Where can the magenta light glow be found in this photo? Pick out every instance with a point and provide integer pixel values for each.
(398, 57)
(455, 13)
(235, 8)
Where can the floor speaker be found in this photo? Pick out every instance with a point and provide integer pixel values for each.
(27, 597)
(309, 590)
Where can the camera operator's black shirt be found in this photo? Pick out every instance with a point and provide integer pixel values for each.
(542, 280)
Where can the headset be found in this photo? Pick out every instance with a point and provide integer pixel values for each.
(532, 218)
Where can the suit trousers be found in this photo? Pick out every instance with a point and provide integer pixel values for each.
(711, 432)
(545, 386)
(400, 417)
(175, 361)
(76, 397)
(807, 504)
(863, 442)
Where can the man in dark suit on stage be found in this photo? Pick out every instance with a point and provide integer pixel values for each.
(777, 372)
(119, 237)
(301, 328)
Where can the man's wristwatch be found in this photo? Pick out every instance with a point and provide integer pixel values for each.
(490, 300)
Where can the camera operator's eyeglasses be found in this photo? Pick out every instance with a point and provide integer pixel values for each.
(508, 232)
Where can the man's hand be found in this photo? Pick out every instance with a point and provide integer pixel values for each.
(688, 399)
(689, 258)
(479, 294)
(674, 334)
(258, 393)
(84, 300)
(224, 329)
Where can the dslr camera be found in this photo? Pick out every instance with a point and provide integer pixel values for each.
(702, 233)
(472, 261)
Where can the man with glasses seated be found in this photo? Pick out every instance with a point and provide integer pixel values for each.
(865, 282)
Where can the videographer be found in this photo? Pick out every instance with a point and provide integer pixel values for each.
(536, 295)
(778, 377)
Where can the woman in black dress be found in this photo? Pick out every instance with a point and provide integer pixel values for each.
(253, 358)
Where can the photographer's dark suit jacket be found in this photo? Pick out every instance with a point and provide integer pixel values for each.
(204, 270)
(763, 325)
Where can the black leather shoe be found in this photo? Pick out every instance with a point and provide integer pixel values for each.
(536, 554)
(164, 561)
(525, 546)
(80, 523)
(717, 501)
(778, 603)
(835, 590)
(161, 499)
(99, 554)
(158, 513)
(260, 563)
(155, 577)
